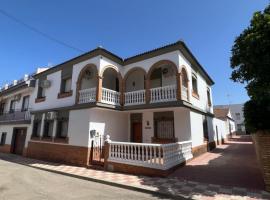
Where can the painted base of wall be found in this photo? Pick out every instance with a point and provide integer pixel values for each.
(138, 170)
(5, 148)
(58, 153)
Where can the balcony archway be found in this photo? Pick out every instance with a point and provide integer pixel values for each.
(162, 78)
(111, 86)
(87, 84)
(134, 86)
(184, 84)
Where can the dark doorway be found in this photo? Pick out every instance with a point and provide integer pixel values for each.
(137, 132)
(217, 135)
(136, 127)
(18, 140)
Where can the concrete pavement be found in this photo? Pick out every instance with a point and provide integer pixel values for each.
(18, 182)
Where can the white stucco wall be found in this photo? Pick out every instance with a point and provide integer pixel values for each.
(182, 124)
(196, 121)
(9, 130)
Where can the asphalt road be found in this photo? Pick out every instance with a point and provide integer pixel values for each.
(22, 182)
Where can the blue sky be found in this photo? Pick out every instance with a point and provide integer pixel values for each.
(126, 28)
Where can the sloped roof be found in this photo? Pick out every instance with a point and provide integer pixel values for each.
(179, 45)
(221, 113)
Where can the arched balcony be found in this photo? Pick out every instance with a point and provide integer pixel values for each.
(111, 87)
(184, 85)
(134, 87)
(162, 79)
(87, 85)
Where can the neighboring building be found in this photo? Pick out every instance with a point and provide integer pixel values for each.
(237, 115)
(224, 114)
(156, 107)
(15, 117)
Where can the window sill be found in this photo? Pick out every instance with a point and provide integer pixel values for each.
(64, 94)
(49, 139)
(195, 95)
(35, 138)
(61, 140)
(40, 99)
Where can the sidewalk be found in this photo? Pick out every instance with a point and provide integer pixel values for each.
(173, 185)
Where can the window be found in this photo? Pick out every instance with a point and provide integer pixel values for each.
(209, 97)
(25, 104)
(48, 128)
(237, 115)
(164, 125)
(3, 139)
(239, 127)
(12, 106)
(194, 85)
(66, 85)
(66, 79)
(2, 108)
(62, 124)
(41, 90)
(37, 125)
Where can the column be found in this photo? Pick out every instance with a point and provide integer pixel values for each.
(179, 86)
(99, 89)
(42, 125)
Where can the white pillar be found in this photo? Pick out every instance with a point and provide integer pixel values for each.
(42, 125)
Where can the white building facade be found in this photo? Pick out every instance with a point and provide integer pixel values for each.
(155, 109)
(237, 114)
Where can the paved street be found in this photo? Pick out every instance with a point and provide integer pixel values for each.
(22, 182)
(229, 172)
(232, 164)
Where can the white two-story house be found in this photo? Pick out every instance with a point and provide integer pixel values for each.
(155, 109)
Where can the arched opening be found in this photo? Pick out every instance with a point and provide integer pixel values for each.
(111, 86)
(162, 75)
(134, 83)
(111, 80)
(87, 84)
(184, 85)
(162, 81)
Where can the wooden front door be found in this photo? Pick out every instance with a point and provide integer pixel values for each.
(137, 132)
(19, 136)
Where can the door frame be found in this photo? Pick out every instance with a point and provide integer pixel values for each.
(13, 140)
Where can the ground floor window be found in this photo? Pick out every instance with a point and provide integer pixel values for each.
(164, 125)
(62, 124)
(36, 132)
(239, 127)
(3, 139)
(48, 128)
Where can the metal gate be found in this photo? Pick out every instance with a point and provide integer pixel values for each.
(97, 150)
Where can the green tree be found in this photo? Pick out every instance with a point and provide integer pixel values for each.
(250, 62)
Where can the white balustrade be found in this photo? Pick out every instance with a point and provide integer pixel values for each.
(87, 95)
(110, 96)
(184, 93)
(163, 94)
(157, 156)
(135, 97)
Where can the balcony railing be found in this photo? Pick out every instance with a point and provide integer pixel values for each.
(163, 94)
(110, 96)
(138, 97)
(157, 156)
(184, 93)
(135, 97)
(87, 95)
(15, 116)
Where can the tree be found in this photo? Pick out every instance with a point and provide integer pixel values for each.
(250, 62)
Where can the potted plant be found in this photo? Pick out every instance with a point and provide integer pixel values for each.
(250, 62)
